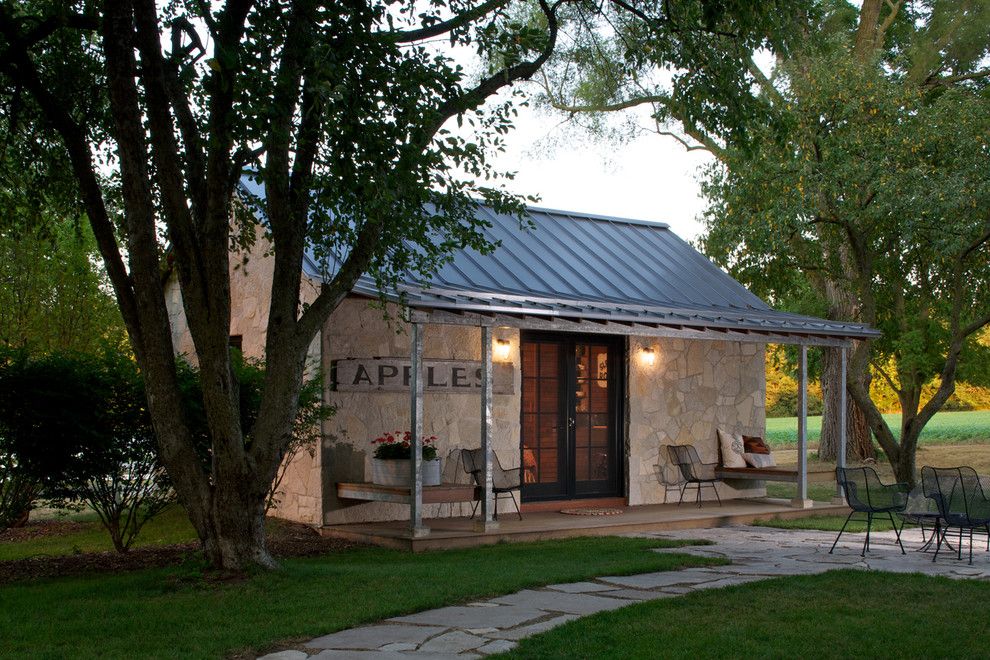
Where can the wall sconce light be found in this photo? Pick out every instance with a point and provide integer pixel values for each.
(502, 350)
(649, 356)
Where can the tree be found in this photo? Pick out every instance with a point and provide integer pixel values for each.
(872, 185)
(927, 48)
(340, 109)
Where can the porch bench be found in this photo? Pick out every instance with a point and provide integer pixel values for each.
(441, 494)
(785, 475)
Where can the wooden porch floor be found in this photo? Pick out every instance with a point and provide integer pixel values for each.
(542, 525)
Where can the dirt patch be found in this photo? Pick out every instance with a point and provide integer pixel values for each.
(37, 529)
(285, 539)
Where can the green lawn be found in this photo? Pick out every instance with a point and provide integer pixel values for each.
(831, 524)
(842, 614)
(944, 428)
(176, 613)
(170, 526)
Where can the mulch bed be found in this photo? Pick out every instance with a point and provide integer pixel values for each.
(285, 539)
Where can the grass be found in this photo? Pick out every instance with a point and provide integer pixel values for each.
(169, 527)
(944, 428)
(176, 613)
(839, 614)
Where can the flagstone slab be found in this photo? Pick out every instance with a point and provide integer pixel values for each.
(455, 641)
(533, 628)
(580, 587)
(660, 579)
(558, 601)
(375, 637)
(504, 616)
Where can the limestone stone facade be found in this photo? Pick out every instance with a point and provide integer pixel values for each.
(693, 387)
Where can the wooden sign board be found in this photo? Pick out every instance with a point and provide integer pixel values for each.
(394, 374)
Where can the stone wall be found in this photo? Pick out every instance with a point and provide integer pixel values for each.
(357, 329)
(692, 388)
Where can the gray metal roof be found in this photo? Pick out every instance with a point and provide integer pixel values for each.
(580, 266)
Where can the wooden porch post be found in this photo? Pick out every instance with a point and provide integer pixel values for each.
(840, 459)
(416, 526)
(801, 499)
(487, 521)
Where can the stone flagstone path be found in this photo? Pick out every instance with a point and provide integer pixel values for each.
(494, 625)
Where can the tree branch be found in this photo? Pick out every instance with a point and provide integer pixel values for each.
(443, 27)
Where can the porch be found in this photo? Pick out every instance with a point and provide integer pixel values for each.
(447, 533)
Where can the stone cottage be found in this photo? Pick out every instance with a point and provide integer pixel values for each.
(578, 350)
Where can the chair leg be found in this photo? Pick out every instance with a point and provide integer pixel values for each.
(959, 549)
(841, 530)
(474, 508)
(697, 494)
(518, 510)
(719, 499)
(683, 488)
(866, 543)
(970, 546)
(897, 532)
(939, 534)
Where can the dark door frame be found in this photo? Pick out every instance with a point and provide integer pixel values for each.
(617, 404)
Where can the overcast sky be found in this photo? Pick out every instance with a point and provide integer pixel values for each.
(649, 178)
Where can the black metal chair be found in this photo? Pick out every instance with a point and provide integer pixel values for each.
(686, 458)
(453, 472)
(865, 493)
(504, 482)
(962, 504)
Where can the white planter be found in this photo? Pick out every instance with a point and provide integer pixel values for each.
(398, 472)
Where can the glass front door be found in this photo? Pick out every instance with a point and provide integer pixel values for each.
(571, 395)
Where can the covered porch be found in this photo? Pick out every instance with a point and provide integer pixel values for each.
(642, 325)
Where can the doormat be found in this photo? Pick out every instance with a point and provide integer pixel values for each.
(592, 512)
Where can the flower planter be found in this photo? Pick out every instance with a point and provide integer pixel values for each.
(398, 472)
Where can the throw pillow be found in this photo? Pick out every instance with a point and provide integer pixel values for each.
(760, 460)
(754, 444)
(732, 449)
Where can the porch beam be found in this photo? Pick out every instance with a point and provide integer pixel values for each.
(416, 526)
(623, 327)
(487, 522)
(840, 459)
(801, 500)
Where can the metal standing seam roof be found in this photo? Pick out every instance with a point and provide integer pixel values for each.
(581, 266)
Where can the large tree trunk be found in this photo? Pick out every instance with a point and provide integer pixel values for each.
(235, 539)
(859, 445)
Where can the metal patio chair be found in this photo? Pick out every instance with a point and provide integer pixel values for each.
(504, 482)
(865, 493)
(962, 504)
(686, 458)
(668, 474)
(454, 473)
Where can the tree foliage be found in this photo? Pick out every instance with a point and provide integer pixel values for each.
(869, 183)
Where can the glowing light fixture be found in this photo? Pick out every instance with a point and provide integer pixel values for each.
(502, 350)
(649, 356)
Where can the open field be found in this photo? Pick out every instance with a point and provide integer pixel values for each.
(944, 428)
(841, 614)
(180, 613)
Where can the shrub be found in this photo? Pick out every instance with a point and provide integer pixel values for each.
(78, 427)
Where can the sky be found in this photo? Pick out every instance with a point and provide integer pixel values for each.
(650, 177)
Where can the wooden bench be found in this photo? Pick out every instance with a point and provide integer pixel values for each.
(785, 475)
(443, 493)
